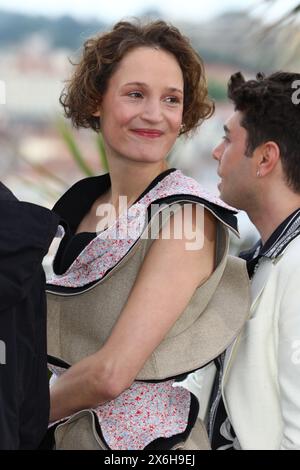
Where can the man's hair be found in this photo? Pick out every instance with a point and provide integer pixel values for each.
(102, 55)
(269, 113)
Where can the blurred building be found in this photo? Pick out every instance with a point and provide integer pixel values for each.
(32, 150)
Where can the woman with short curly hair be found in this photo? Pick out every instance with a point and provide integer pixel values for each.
(102, 55)
(132, 306)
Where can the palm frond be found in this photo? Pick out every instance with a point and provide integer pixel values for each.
(45, 172)
(102, 153)
(73, 148)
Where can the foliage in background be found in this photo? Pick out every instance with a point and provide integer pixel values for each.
(75, 152)
(291, 14)
(51, 186)
(287, 31)
(217, 90)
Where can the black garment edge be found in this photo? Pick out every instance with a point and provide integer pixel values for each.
(70, 250)
(165, 443)
(228, 217)
(82, 195)
(56, 361)
(161, 443)
(48, 442)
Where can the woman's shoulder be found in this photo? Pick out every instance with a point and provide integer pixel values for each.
(179, 188)
(177, 183)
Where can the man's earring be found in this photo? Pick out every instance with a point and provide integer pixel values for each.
(258, 173)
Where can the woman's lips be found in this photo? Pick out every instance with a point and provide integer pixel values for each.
(150, 133)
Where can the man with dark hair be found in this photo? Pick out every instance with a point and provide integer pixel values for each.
(26, 232)
(259, 166)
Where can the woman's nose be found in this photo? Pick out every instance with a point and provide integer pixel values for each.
(152, 110)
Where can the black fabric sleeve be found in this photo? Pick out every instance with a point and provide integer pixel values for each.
(26, 232)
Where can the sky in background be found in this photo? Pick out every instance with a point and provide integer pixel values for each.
(112, 10)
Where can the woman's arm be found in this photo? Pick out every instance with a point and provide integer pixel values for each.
(163, 288)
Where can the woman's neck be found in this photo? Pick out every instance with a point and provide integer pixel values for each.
(127, 184)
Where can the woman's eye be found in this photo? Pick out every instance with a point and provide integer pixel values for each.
(135, 94)
(225, 138)
(172, 100)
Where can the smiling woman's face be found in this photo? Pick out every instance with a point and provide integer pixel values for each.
(141, 111)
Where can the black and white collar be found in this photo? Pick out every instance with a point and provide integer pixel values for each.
(286, 232)
(282, 236)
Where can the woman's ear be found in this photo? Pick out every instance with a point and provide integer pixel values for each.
(96, 113)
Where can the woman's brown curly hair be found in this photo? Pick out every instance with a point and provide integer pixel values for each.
(101, 56)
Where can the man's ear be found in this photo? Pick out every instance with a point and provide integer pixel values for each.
(268, 157)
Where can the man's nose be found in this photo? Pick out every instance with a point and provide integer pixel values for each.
(217, 152)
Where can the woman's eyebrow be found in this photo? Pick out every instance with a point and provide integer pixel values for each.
(143, 84)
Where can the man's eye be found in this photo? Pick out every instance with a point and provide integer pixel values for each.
(225, 138)
(135, 94)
